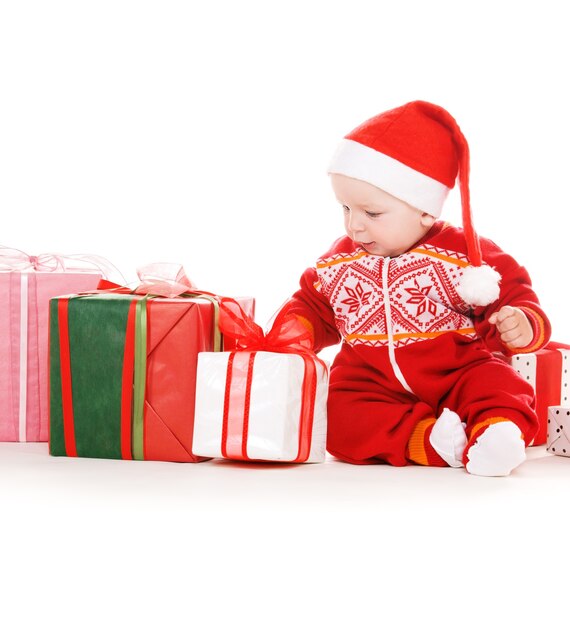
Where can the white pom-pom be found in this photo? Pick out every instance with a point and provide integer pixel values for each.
(479, 286)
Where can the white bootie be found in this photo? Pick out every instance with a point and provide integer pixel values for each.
(497, 451)
(448, 438)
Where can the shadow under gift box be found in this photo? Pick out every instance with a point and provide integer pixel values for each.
(97, 342)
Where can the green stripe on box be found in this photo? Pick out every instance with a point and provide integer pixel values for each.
(97, 331)
(56, 440)
(140, 379)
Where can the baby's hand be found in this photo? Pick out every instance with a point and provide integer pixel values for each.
(513, 326)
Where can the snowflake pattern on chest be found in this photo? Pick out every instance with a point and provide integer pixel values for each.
(421, 289)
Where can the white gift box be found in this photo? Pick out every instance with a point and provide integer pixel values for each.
(257, 414)
(558, 431)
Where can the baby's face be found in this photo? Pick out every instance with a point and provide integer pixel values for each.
(379, 222)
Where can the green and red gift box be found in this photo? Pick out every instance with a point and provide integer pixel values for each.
(123, 373)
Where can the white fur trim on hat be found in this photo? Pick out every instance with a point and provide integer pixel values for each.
(358, 161)
(479, 286)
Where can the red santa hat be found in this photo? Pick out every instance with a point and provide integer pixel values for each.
(415, 152)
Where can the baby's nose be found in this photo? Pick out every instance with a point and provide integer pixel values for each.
(355, 222)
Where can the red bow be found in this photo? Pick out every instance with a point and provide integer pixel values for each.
(288, 334)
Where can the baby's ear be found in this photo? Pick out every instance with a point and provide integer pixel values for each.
(427, 220)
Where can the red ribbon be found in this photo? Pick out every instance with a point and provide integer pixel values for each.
(556, 345)
(287, 335)
(547, 386)
(66, 390)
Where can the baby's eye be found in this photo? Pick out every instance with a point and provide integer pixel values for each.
(372, 214)
(345, 208)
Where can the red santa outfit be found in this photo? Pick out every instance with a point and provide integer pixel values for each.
(415, 328)
(412, 345)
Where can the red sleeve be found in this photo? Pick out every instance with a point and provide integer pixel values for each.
(516, 291)
(314, 311)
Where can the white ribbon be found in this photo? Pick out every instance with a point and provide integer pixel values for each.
(22, 413)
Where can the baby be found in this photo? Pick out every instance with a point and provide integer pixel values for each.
(420, 306)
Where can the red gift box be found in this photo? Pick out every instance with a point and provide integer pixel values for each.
(93, 399)
(123, 369)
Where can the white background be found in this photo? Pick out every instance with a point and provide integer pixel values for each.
(199, 133)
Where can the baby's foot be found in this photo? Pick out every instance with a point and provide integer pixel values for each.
(497, 451)
(448, 438)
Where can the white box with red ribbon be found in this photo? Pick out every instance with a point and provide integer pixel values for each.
(267, 400)
(262, 406)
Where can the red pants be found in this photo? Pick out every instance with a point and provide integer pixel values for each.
(371, 416)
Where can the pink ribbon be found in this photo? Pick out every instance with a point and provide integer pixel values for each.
(15, 260)
(163, 279)
(12, 259)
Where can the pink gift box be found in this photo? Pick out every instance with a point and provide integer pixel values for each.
(24, 311)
